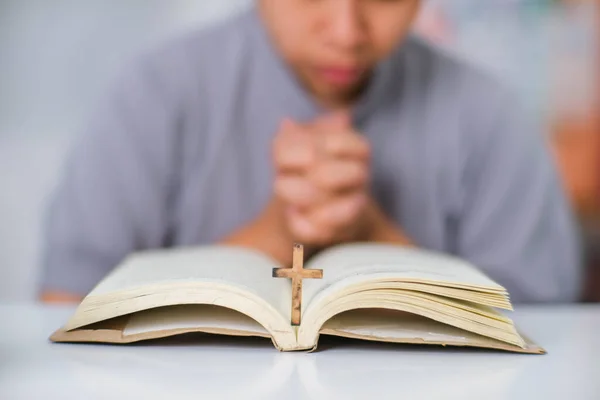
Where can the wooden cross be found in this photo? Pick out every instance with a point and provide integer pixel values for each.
(297, 273)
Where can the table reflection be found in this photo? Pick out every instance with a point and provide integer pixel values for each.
(223, 367)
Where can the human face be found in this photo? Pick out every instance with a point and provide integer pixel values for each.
(332, 45)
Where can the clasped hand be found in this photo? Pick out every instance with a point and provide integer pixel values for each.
(322, 179)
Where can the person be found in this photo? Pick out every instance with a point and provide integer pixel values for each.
(316, 122)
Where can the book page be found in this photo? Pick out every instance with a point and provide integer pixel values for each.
(398, 326)
(382, 323)
(194, 316)
(401, 327)
(358, 262)
(236, 266)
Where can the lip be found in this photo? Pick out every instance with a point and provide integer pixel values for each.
(340, 76)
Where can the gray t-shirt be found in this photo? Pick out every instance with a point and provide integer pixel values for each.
(179, 154)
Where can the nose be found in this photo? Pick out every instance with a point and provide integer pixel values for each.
(346, 26)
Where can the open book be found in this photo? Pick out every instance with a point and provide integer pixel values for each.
(368, 291)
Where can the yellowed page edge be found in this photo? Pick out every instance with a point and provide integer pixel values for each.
(483, 343)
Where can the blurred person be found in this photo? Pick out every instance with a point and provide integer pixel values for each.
(322, 122)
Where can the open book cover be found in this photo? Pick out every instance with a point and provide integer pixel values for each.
(368, 291)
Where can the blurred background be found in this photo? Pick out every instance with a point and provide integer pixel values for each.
(56, 58)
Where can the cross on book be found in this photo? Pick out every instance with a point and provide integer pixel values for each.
(297, 273)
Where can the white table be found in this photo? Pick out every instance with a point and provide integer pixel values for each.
(191, 368)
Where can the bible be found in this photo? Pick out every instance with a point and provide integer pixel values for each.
(369, 291)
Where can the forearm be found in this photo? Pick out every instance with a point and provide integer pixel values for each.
(267, 234)
(59, 297)
(382, 229)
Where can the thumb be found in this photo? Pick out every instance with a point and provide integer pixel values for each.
(338, 119)
(289, 124)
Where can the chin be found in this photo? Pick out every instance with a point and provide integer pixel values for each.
(333, 92)
(345, 93)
